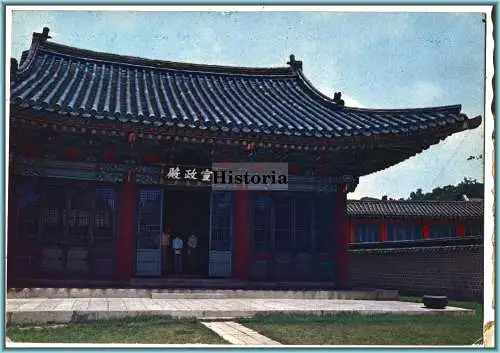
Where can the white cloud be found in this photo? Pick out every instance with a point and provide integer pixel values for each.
(194, 47)
(396, 26)
(351, 102)
(425, 93)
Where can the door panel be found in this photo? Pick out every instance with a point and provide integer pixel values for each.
(103, 250)
(292, 236)
(149, 230)
(72, 220)
(221, 228)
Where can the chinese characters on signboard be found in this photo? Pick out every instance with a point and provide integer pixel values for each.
(231, 176)
(192, 174)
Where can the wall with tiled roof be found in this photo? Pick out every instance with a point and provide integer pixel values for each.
(415, 209)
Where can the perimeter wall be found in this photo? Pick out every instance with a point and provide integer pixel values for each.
(455, 271)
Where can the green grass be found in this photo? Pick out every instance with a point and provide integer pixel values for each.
(145, 330)
(373, 330)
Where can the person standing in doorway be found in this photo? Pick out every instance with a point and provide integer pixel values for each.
(177, 245)
(192, 246)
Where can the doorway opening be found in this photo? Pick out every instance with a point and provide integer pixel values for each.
(187, 217)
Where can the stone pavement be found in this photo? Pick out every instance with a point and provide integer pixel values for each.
(238, 334)
(65, 310)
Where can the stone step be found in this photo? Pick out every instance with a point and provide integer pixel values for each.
(73, 310)
(276, 294)
(190, 295)
(361, 294)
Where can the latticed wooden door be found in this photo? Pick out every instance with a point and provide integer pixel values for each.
(104, 231)
(77, 228)
(221, 235)
(149, 231)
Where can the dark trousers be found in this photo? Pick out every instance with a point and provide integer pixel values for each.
(165, 260)
(192, 260)
(177, 263)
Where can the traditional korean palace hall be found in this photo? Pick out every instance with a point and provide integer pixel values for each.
(108, 152)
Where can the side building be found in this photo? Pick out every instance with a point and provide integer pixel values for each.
(417, 247)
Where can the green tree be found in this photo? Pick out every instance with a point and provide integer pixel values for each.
(469, 187)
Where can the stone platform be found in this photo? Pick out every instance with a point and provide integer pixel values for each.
(67, 310)
(180, 293)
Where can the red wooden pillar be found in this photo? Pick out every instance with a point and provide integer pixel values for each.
(341, 233)
(242, 240)
(425, 230)
(352, 233)
(126, 228)
(460, 230)
(383, 230)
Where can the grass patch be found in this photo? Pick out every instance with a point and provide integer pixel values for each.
(145, 330)
(372, 330)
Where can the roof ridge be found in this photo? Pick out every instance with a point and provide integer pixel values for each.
(40, 43)
(129, 60)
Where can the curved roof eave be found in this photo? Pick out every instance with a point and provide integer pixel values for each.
(320, 95)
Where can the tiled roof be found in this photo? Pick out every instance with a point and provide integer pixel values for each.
(415, 209)
(279, 101)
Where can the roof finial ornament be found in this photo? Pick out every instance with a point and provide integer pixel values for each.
(295, 64)
(337, 98)
(45, 33)
(14, 66)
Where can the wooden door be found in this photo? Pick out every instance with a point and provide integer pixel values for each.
(149, 233)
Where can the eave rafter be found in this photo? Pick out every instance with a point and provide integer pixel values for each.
(357, 156)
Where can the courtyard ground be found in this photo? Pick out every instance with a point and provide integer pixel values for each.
(372, 330)
(378, 325)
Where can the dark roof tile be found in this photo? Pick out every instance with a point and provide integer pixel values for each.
(415, 209)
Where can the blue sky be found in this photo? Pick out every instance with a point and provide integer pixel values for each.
(377, 60)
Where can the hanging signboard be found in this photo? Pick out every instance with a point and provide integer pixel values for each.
(177, 174)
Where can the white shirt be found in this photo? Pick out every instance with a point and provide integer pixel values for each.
(192, 241)
(177, 243)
